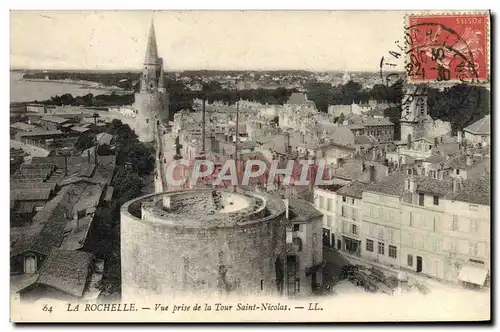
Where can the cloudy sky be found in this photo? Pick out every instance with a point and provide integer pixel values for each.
(204, 39)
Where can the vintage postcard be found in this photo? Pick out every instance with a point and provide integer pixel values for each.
(250, 166)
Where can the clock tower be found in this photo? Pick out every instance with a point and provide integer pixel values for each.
(414, 113)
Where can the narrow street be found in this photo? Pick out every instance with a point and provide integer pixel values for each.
(335, 263)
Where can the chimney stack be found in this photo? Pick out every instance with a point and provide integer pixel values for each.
(372, 173)
(468, 160)
(456, 184)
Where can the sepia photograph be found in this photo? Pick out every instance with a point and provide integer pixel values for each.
(250, 166)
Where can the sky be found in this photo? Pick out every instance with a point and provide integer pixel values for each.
(258, 40)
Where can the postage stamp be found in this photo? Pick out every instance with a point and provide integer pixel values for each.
(449, 47)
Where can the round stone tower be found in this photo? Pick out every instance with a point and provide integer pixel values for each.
(202, 242)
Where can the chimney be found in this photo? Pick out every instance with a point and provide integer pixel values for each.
(456, 184)
(410, 184)
(286, 207)
(372, 173)
(374, 154)
(468, 160)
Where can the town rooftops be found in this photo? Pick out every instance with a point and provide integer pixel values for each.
(362, 139)
(66, 271)
(30, 194)
(23, 126)
(474, 191)
(76, 232)
(48, 225)
(79, 129)
(481, 126)
(390, 185)
(54, 119)
(41, 133)
(302, 211)
(353, 189)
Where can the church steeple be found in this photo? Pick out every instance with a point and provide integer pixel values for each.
(151, 50)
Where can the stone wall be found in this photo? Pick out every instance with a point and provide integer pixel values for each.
(171, 260)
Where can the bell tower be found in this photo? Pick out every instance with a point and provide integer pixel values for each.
(414, 112)
(151, 102)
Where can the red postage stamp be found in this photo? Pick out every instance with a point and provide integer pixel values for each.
(452, 47)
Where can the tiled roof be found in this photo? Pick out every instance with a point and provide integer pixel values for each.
(350, 170)
(475, 191)
(66, 271)
(55, 119)
(362, 139)
(436, 159)
(433, 186)
(30, 194)
(391, 185)
(41, 133)
(482, 126)
(302, 211)
(353, 189)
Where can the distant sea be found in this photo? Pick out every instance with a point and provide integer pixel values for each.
(23, 91)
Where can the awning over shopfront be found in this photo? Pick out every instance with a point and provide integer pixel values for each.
(473, 274)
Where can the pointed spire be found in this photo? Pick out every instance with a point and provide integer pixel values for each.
(151, 50)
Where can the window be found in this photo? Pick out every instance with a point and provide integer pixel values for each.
(321, 202)
(369, 245)
(436, 199)
(147, 120)
(297, 242)
(344, 199)
(381, 232)
(454, 223)
(411, 219)
(354, 229)
(296, 227)
(381, 248)
(344, 211)
(352, 201)
(329, 220)
(410, 260)
(421, 199)
(393, 251)
(330, 204)
(474, 226)
(473, 250)
(458, 171)
(410, 239)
